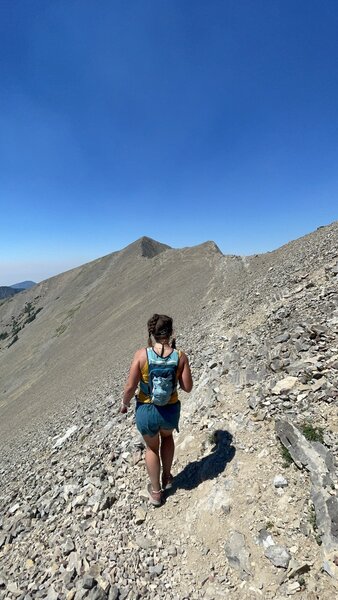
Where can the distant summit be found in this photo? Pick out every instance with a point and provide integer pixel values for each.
(146, 247)
(7, 292)
(23, 285)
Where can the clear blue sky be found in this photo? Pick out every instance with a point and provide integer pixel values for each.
(181, 120)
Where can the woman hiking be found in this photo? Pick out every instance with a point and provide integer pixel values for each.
(158, 369)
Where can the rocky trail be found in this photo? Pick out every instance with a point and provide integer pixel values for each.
(253, 512)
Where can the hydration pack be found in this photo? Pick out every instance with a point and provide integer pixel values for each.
(162, 376)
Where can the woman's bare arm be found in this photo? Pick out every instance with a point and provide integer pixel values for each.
(132, 381)
(185, 377)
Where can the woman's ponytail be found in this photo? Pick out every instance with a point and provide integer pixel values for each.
(151, 328)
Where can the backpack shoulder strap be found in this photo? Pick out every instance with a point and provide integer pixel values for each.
(179, 354)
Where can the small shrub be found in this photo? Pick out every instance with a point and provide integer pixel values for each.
(15, 339)
(313, 434)
(3, 335)
(72, 311)
(28, 307)
(60, 330)
(313, 523)
(286, 456)
(30, 318)
(313, 518)
(212, 438)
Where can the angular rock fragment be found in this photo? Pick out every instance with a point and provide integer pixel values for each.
(88, 582)
(68, 547)
(52, 594)
(140, 516)
(143, 542)
(14, 589)
(265, 539)
(97, 593)
(285, 385)
(253, 402)
(156, 569)
(280, 481)
(278, 555)
(293, 588)
(238, 555)
(113, 593)
(60, 441)
(284, 337)
(321, 466)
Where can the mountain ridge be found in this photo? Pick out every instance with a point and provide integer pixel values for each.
(85, 308)
(85, 311)
(23, 285)
(261, 334)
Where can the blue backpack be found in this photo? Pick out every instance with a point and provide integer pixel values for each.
(162, 376)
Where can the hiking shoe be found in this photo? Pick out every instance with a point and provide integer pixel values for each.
(167, 483)
(155, 498)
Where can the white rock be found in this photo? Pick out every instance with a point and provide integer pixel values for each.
(52, 594)
(263, 453)
(60, 441)
(13, 588)
(285, 385)
(293, 588)
(280, 481)
(140, 516)
(268, 541)
(14, 508)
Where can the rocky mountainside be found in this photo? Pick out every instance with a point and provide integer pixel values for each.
(65, 339)
(7, 292)
(254, 509)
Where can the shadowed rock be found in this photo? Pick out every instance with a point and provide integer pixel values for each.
(320, 464)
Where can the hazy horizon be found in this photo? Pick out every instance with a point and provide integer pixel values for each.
(45, 270)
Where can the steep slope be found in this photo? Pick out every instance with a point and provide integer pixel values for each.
(87, 321)
(240, 522)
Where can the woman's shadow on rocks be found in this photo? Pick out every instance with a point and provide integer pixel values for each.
(207, 467)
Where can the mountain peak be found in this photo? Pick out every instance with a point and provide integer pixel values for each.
(23, 285)
(146, 247)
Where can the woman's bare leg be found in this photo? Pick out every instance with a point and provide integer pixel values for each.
(167, 452)
(153, 460)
